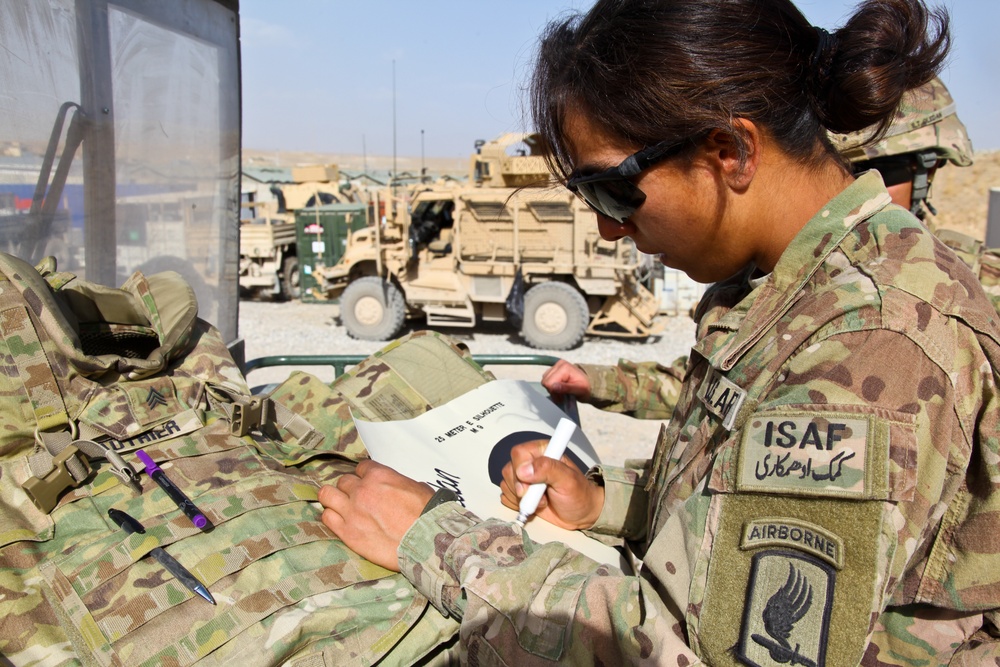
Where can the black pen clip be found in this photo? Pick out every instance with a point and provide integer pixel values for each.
(128, 523)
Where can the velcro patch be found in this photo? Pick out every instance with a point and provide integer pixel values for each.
(787, 613)
(807, 454)
(722, 397)
(801, 535)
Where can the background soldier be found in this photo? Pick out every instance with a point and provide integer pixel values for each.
(925, 136)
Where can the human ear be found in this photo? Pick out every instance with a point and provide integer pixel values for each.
(736, 152)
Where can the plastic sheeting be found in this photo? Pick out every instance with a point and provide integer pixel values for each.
(119, 147)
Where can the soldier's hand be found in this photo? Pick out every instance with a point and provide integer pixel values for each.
(571, 500)
(565, 378)
(372, 509)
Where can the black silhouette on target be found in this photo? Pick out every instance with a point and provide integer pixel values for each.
(500, 456)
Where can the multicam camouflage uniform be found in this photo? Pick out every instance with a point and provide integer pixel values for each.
(77, 590)
(825, 492)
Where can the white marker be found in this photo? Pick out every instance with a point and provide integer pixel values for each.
(554, 450)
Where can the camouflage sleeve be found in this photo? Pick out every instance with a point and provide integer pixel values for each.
(524, 603)
(913, 574)
(625, 500)
(645, 390)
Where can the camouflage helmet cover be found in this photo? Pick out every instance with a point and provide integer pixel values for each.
(926, 119)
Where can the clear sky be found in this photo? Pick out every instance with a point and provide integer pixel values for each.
(345, 76)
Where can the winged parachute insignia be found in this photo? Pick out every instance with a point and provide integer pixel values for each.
(784, 609)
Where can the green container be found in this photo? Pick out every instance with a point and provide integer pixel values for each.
(321, 237)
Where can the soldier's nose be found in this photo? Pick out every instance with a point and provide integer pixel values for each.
(610, 229)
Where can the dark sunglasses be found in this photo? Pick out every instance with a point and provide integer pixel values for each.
(610, 192)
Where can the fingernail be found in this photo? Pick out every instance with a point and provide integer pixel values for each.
(526, 470)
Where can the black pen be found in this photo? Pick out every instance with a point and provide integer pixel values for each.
(131, 525)
(176, 495)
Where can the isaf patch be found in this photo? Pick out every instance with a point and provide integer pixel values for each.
(721, 397)
(805, 454)
(786, 617)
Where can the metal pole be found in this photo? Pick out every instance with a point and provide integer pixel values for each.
(94, 48)
(993, 219)
(394, 127)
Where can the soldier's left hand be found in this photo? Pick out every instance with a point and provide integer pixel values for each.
(372, 509)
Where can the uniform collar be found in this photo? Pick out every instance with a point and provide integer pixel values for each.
(824, 232)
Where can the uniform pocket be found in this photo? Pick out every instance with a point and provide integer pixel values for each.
(800, 536)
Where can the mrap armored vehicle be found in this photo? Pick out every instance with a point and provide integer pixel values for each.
(453, 254)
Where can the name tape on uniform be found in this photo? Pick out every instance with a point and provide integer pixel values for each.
(182, 424)
(722, 397)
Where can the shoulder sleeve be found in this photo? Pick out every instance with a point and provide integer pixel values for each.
(645, 390)
(519, 601)
(856, 479)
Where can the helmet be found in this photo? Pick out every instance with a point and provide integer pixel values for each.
(925, 134)
(926, 120)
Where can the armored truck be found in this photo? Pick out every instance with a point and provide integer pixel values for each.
(508, 245)
(269, 262)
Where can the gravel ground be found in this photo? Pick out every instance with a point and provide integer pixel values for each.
(271, 328)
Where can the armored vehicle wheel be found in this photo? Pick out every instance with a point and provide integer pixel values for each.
(291, 287)
(372, 309)
(555, 316)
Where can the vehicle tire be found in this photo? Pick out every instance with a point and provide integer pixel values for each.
(555, 316)
(372, 309)
(291, 280)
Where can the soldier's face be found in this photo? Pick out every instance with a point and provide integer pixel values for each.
(901, 194)
(686, 217)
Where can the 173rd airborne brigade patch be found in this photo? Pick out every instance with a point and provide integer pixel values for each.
(791, 555)
(786, 617)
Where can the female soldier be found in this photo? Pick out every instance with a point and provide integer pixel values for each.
(825, 492)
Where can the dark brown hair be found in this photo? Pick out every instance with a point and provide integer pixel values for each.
(649, 70)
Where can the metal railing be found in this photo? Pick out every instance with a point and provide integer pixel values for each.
(340, 362)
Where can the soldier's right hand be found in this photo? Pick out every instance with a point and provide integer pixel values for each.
(565, 378)
(571, 501)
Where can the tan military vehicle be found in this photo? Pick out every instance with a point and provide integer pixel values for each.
(453, 253)
(269, 261)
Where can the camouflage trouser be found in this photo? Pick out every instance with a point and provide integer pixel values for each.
(75, 589)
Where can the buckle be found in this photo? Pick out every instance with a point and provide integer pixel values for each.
(44, 492)
(250, 413)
